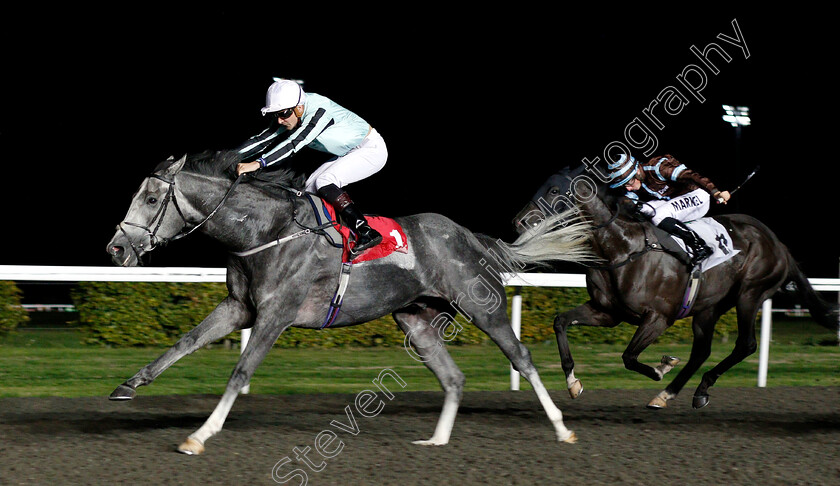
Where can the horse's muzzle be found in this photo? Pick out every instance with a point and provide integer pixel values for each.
(527, 218)
(122, 252)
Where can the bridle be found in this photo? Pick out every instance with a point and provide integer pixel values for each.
(157, 220)
(615, 212)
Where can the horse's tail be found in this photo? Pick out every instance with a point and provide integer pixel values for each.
(562, 237)
(825, 313)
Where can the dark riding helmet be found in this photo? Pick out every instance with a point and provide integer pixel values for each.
(624, 170)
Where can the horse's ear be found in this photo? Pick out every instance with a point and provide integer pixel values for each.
(176, 166)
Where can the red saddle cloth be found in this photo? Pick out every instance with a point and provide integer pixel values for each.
(393, 238)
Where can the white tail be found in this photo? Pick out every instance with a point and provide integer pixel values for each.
(562, 237)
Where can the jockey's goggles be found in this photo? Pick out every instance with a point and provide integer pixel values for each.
(283, 114)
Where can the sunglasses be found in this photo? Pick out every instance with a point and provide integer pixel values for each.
(283, 114)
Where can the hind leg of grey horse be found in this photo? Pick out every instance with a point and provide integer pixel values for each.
(584, 315)
(494, 322)
(228, 316)
(703, 326)
(263, 336)
(423, 332)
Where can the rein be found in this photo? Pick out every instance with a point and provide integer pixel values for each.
(631, 257)
(279, 241)
(612, 219)
(154, 240)
(157, 220)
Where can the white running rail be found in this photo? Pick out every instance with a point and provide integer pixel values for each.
(25, 273)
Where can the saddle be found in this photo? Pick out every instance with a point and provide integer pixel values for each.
(341, 236)
(712, 232)
(716, 236)
(668, 244)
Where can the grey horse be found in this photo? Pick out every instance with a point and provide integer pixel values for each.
(281, 274)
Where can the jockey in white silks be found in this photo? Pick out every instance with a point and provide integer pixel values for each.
(317, 122)
(672, 194)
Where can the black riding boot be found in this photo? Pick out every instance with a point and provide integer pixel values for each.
(366, 237)
(699, 250)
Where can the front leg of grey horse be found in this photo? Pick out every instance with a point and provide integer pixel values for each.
(262, 339)
(230, 315)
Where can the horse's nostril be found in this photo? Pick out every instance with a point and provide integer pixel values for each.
(116, 251)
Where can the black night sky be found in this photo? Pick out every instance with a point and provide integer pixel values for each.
(477, 108)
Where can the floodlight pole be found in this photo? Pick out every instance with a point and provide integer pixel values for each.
(737, 160)
(737, 116)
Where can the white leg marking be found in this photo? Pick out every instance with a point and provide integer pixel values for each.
(443, 430)
(574, 385)
(666, 364)
(554, 413)
(661, 400)
(211, 427)
(570, 380)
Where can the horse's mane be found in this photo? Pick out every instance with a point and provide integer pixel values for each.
(222, 164)
(612, 198)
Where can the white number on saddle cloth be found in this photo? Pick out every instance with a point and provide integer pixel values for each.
(398, 238)
(717, 237)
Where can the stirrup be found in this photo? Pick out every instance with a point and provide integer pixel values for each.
(369, 239)
(700, 253)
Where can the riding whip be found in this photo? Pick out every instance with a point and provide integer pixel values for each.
(750, 176)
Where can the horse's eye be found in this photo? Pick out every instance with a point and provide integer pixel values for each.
(554, 190)
(151, 201)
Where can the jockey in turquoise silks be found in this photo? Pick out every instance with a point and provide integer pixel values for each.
(309, 119)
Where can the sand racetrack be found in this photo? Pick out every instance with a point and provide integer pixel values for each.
(745, 436)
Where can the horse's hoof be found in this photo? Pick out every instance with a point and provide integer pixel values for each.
(670, 360)
(576, 389)
(123, 392)
(700, 401)
(430, 442)
(657, 403)
(571, 439)
(191, 447)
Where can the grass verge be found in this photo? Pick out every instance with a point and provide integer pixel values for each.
(55, 363)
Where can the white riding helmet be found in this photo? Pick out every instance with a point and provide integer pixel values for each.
(283, 94)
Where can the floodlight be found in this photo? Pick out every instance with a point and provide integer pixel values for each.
(737, 116)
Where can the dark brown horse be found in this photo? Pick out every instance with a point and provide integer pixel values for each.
(645, 286)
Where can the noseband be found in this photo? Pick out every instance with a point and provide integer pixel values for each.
(157, 220)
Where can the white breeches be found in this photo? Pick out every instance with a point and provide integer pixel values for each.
(361, 162)
(687, 207)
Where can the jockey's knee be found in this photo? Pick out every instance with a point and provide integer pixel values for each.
(326, 179)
